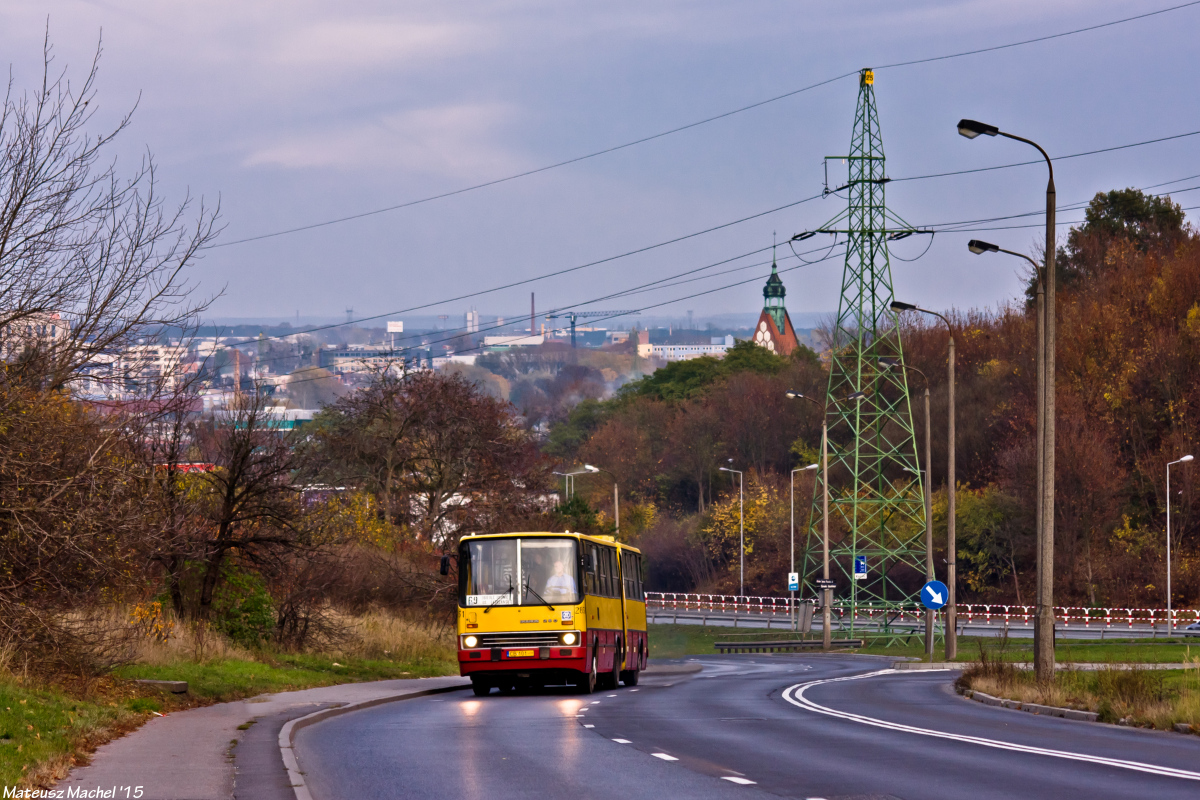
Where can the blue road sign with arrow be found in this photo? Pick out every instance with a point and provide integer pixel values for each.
(935, 595)
(860, 568)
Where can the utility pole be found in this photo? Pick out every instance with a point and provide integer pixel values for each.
(1043, 623)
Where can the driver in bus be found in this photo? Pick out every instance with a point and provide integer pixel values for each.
(561, 586)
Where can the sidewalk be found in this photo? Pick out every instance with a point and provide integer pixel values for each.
(189, 755)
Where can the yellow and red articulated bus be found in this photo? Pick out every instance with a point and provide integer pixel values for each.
(541, 609)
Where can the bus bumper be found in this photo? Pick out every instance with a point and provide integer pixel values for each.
(503, 659)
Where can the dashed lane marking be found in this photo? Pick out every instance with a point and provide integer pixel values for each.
(740, 781)
(622, 741)
(664, 756)
(795, 696)
(589, 726)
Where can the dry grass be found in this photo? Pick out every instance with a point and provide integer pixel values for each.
(380, 634)
(68, 716)
(1136, 696)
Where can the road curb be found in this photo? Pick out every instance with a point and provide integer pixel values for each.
(288, 732)
(1032, 708)
(907, 666)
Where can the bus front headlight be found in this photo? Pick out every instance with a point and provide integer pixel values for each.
(470, 641)
(568, 638)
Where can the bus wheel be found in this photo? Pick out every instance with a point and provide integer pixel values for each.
(630, 677)
(586, 683)
(480, 688)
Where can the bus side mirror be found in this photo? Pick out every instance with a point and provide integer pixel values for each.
(589, 563)
(445, 565)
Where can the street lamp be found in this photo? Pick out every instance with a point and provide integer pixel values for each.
(826, 592)
(1170, 619)
(792, 602)
(741, 530)
(978, 247)
(888, 363)
(1043, 622)
(569, 480)
(951, 545)
(616, 497)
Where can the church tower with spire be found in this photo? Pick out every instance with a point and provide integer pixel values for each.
(774, 330)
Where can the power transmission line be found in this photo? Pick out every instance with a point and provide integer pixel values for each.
(690, 125)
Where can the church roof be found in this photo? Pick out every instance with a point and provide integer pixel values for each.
(774, 287)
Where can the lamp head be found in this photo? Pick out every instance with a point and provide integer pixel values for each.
(855, 396)
(590, 468)
(977, 246)
(793, 394)
(888, 363)
(811, 466)
(897, 306)
(971, 128)
(1186, 458)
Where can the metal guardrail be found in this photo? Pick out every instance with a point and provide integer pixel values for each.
(1066, 617)
(783, 646)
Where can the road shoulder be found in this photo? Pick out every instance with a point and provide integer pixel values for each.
(193, 754)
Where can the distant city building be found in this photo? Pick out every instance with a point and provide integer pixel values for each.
(359, 358)
(774, 330)
(513, 341)
(472, 321)
(144, 368)
(683, 352)
(33, 330)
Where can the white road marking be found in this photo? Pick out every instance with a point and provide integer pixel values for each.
(589, 726)
(633, 690)
(741, 781)
(610, 695)
(664, 756)
(795, 696)
(595, 702)
(622, 741)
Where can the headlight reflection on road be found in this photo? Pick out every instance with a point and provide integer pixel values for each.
(470, 707)
(569, 708)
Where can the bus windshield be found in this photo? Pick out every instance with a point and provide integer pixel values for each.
(520, 571)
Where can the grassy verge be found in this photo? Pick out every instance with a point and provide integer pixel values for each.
(676, 641)
(1147, 698)
(48, 726)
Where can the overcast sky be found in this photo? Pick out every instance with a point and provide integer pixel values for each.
(300, 111)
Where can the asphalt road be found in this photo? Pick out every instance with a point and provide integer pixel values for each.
(771, 722)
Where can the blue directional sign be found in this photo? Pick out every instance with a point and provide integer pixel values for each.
(935, 595)
(793, 581)
(860, 568)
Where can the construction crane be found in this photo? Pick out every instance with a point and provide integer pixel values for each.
(574, 315)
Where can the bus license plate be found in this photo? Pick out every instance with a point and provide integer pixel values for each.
(522, 653)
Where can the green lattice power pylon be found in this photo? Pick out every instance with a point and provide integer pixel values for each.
(876, 508)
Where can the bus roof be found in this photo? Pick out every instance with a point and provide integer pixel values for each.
(560, 534)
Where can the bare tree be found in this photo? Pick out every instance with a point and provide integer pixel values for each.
(90, 261)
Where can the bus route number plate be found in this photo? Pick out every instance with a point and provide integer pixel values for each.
(522, 653)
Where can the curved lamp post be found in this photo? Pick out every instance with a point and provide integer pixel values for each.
(951, 546)
(1043, 622)
(741, 530)
(616, 496)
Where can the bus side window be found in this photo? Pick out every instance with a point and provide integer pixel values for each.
(590, 578)
(638, 577)
(613, 573)
(602, 571)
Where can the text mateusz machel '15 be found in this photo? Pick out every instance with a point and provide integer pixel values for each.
(539, 609)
